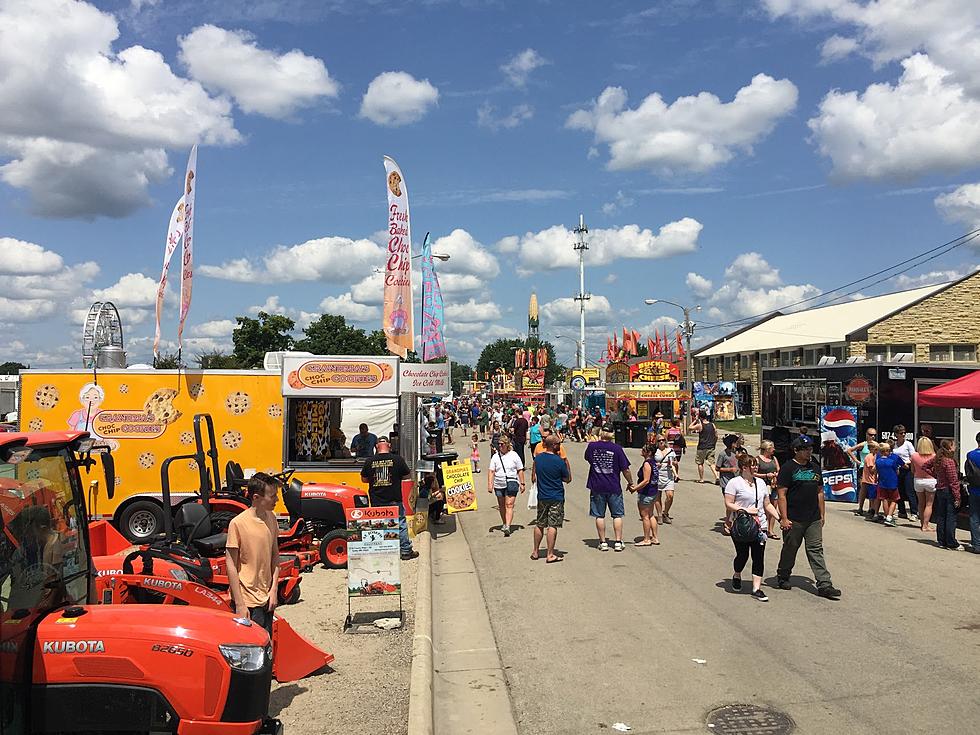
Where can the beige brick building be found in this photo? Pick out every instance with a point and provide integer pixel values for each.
(937, 324)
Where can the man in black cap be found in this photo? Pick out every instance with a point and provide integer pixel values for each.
(383, 474)
(802, 513)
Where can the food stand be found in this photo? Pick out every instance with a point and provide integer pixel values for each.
(646, 387)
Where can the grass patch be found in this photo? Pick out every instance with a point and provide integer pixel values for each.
(739, 426)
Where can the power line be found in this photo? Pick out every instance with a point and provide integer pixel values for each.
(913, 262)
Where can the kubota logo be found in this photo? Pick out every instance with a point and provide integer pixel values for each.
(163, 584)
(73, 647)
(356, 513)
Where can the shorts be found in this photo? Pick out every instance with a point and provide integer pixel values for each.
(925, 484)
(890, 494)
(512, 489)
(704, 454)
(666, 487)
(871, 490)
(598, 504)
(551, 513)
(645, 500)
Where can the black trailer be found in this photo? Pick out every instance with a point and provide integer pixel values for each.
(884, 393)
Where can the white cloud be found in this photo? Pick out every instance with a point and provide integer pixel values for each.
(947, 30)
(698, 284)
(272, 305)
(924, 123)
(932, 277)
(86, 128)
(461, 283)
(348, 308)
(961, 205)
(397, 98)
(466, 256)
(752, 286)
(564, 312)
(131, 290)
(26, 310)
(620, 201)
(508, 244)
(610, 278)
(261, 81)
(520, 66)
(370, 290)
(552, 248)
(472, 311)
(215, 328)
(327, 259)
(836, 48)
(486, 117)
(19, 258)
(691, 134)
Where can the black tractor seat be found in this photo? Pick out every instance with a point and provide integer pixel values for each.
(193, 523)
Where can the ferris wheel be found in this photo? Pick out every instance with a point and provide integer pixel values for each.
(102, 334)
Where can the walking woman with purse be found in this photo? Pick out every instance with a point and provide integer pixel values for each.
(747, 498)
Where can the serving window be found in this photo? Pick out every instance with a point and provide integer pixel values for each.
(319, 430)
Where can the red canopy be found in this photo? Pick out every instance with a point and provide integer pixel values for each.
(960, 393)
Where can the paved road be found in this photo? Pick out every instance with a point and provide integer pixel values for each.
(609, 637)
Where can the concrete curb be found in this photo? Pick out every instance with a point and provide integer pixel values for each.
(420, 689)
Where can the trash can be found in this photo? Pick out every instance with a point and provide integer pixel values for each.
(638, 434)
(621, 431)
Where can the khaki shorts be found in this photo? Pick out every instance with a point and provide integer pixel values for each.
(704, 454)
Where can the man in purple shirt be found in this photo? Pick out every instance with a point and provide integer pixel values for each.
(607, 461)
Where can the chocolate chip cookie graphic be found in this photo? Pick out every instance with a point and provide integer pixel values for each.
(46, 397)
(238, 403)
(161, 407)
(231, 439)
(275, 410)
(147, 460)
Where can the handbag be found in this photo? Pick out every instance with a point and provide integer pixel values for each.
(745, 528)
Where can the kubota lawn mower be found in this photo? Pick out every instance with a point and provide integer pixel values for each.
(69, 665)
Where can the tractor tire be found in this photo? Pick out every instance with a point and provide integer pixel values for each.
(140, 521)
(220, 520)
(333, 549)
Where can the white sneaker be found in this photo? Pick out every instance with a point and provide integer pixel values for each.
(913, 516)
(603, 546)
(620, 546)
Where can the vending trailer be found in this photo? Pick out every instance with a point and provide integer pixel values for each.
(883, 393)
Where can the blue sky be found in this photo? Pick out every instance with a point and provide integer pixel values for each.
(741, 155)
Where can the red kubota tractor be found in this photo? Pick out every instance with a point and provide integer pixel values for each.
(187, 567)
(69, 665)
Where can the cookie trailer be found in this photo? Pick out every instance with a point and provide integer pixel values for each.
(300, 413)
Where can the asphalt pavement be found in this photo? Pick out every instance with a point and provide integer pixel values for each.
(653, 637)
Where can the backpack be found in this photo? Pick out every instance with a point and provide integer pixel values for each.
(745, 528)
(972, 473)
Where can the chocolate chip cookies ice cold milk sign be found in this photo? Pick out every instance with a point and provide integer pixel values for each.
(340, 376)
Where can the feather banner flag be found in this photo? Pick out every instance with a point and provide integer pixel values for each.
(397, 321)
(433, 311)
(680, 345)
(651, 351)
(175, 234)
(187, 246)
(635, 341)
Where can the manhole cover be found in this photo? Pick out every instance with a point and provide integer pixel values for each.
(749, 719)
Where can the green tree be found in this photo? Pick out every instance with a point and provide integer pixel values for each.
(167, 361)
(330, 334)
(458, 373)
(11, 368)
(217, 360)
(501, 354)
(254, 337)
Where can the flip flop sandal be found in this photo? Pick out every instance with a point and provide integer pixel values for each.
(555, 561)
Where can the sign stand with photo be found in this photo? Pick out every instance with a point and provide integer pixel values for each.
(373, 559)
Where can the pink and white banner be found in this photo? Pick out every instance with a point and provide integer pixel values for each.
(398, 324)
(175, 233)
(187, 249)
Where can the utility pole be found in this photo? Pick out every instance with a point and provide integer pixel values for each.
(688, 332)
(582, 297)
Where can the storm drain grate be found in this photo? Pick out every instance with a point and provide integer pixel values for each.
(749, 719)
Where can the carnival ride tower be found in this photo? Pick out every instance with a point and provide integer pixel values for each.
(532, 319)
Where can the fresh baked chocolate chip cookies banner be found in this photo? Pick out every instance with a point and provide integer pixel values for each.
(398, 324)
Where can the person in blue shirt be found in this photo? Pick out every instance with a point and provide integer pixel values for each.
(364, 444)
(534, 433)
(973, 483)
(551, 473)
(888, 464)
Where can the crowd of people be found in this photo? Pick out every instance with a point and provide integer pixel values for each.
(764, 500)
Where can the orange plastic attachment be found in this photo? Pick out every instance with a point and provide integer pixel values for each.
(294, 655)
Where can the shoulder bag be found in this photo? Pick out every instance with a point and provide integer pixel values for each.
(745, 528)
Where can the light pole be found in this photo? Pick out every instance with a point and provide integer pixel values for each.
(688, 327)
(580, 247)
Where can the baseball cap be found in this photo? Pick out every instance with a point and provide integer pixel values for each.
(802, 442)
